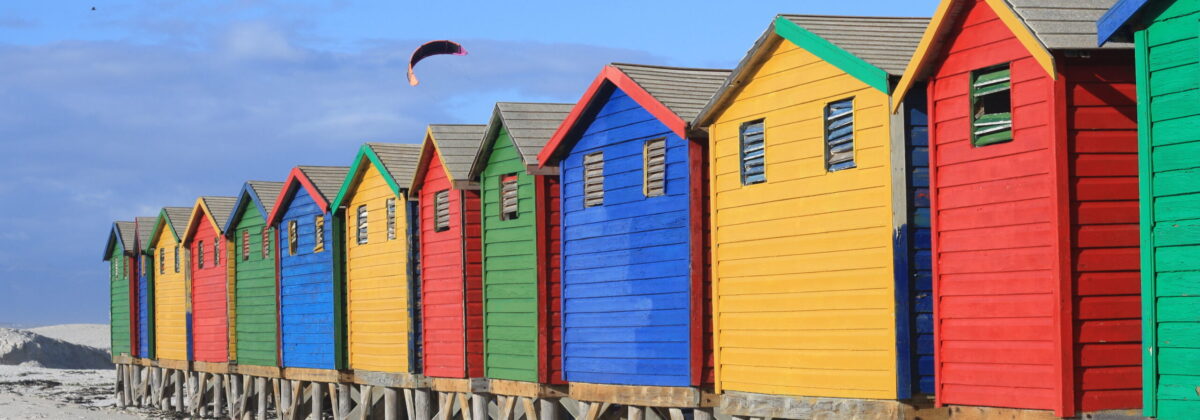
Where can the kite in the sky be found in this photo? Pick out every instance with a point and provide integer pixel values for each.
(431, 49)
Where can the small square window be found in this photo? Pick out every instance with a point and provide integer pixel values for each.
(753, 148)
(441, 211)
(200, 255)
(318, 233)
(593, 179)
(991, 106)
(292, 240)
(509, 200)
(654, 167)
(391, 218)
(839, 135)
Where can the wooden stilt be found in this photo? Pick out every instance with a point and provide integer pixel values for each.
(636, 413)
(179, 391)
(410, 405)
(548, 409)
(479, 407)
(702, 414)
(318, 398)
(424, 404)
(218, 395)
(531, 412)
(365, 403)
(390, 399)
(260, 394)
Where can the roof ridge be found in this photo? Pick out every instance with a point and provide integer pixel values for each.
(655, 66)
(854, 16)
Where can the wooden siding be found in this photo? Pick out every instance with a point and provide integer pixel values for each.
(1102, 145)
(210, 332)
(1170, 96)
(996, 239)
(919, 273)
(626, 263)
(307, 289)
(257, 323)
(170, 301)
(119, 314)
(510, 269)
(376, 278)
(805, 287)
(451, 280)
(549, 194)
(145, 313)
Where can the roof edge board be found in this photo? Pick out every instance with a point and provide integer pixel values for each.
(858, 68)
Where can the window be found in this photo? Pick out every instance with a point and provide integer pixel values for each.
(991, 103)
(391, 218)
(593, 179)
(216, 252)
(362, 224)
(753, 153)
(162, 260)
(176, 258)
(266, 242)
(246, 245)
(292, 237)
(318, 233)
(200, 255)
(441, 211)
(839, 135)
(654, 167)
(508, 197)
(142, 263)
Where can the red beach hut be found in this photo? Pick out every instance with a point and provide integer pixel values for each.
(209, 263)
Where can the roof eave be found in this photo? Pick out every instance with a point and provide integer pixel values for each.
(755, 56)
(1114, 24)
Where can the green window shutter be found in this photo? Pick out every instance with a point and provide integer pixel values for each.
(753, 152)
(839, 135)
(991, 103)
(593, 179)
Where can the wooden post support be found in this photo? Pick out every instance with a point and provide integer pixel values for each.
(445, 406)
(423, 403)
(317, 401)
(702, 414)
(410, 406)
(531, 412)
(260, 392)
(390, 398)
(505, 405)
(548, 409)
(218, 395)
(365, 403)
(636, 413)
(343, 400)
(277, 397)
(179, 391)
(479, 407)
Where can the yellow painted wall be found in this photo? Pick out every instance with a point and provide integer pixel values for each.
(170, 300)
(377, 279)
(804, 289)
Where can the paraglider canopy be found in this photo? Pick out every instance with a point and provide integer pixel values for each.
(429, 49)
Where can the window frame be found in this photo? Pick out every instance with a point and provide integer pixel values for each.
(216, 252)
(162, 261)
(585, 169)
(266, 242)
(830, 166)
(390, 209)
(176, 258)
(200, 254)
(983, 140)
(361, 224)
(742, 152)
(246, 245)
(439, 198)
(646, 165)
(501, 204)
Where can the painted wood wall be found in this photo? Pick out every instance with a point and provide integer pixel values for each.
(627, 269)
(119, 313)
(170, 299)
(257, 325)
(1170, 151)
(377, 286)
(145, 295)
(805, 287)
(920, 263)
(550, 193)
(209, 307)
(511, 280)
(451, 277)
(309, 306)
(1102, 147)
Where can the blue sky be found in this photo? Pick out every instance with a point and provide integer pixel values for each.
(113, 113)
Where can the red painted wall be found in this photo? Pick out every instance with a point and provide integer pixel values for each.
(1102, 124)
(450, 275)
(209, 328)
(551, 267)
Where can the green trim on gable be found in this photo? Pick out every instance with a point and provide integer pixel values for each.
(365, 153)
(833, 54)
(162, 219)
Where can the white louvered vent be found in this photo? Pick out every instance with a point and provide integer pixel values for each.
(593, 179)
(654, 156)
(391, 218)
(753, 153)
(266, 242)
(441, 211)
(361, 223)
(839, 135)
(246, 245)
(200, 255)
(508, 197)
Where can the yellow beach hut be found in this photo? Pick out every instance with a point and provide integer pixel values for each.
(170, 261)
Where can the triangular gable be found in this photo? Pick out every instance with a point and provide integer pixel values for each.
(1111, 27)
(208, 208)
(430, 149)
(250, 195)
(533, 132)
(858, 68)
(300, 178)
(118, 235)
(945, 20)
(168, 218)
(366, 153)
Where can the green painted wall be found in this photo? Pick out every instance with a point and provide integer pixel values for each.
(255, 294)
(1168, 55)
(510, 284)
(118, 280)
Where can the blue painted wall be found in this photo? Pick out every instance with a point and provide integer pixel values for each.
(626, 271)
(144, 308)
(920, 262)
(307, 294)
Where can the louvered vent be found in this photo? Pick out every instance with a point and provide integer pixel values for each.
(593, 179)
(391, 218)
(508, 197)
(318, 233)
(292, 237)
(441, 211)
(654, 156)
(753, 153)
(266, 243)
(245, 245)
(361, 224)
(991, 98)
(216, 252)
(839, 135)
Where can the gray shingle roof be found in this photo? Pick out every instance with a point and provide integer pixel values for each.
(399, 159)
(178, 218)
(128, 234)
(529, 124)
(326, 179)
(145, 229)
(267, 192)
(685, 91)
(884, 42)
(220, 208)
(458, 144)
(1064, 24)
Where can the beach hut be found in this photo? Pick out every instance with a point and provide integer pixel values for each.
(1165, 44)
(635, 304)
(451, 296)
(254, 322)
(1034, 198)
(375, 207)
(145, 288)
(820, 214)
(121, 255)
(171, 311)
(209, 274)
(311, 317)
(520, 229)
